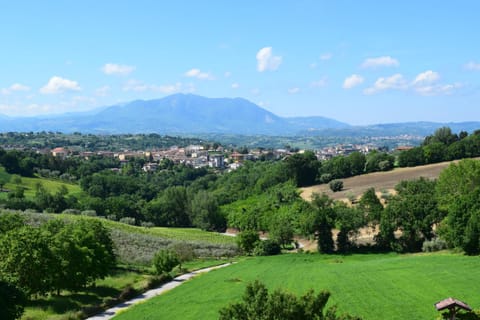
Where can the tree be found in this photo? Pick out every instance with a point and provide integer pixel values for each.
(371, 206)
(12, 301)
(164, 261)
(458, 191)
(322, 222)
(10, 221)
(414, 211)
(26, 259)
(303, 168)
(258, 303)
(336, 185)
(205, 213)
(348, 220)
(246, 240)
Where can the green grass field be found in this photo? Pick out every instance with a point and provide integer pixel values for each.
(371, 286)
(29, 185)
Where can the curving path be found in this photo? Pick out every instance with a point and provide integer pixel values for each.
(110, 313)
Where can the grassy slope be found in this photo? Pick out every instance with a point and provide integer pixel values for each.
(379, 180)
(29, 185)
(371, 286)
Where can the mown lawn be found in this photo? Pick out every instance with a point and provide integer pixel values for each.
(371, 286)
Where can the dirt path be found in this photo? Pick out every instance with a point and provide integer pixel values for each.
(110, 313)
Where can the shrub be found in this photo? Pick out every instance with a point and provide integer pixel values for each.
(89, 213)
(147, 224)
(246, 240)
(325, 178)
(128, 220)
(336, 185)
(267, 248)
(436, 244)
(164, 261)
(71, 211)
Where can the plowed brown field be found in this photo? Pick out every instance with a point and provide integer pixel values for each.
(356, 186)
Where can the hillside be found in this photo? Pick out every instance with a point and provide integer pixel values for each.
(371, 286)
(182, 114)
(381, 181)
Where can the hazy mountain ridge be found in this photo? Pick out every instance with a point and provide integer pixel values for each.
(188, 113)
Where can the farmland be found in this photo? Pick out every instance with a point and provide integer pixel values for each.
(371, 286)
(381, 181)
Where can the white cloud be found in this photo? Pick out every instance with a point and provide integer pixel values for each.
(14, 88)
(385, 61)
(117, 69)
(352, 81)
(326, 56)
(313, 65)
(438, 89)
(235, 85)
(227, 74)
(138, 86)
(197, 73)
(255, 91)
(475, 66)
(58, 85)
(266, 61)
(294, 90)
(319, 84)
(393, 82)
(428, 76)
(102, 91)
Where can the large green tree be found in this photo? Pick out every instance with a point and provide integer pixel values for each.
(458, 191)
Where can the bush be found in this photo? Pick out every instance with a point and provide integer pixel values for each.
(89, 213)
(247, 240)
(147, 224)
(164, 261)
(128, 220)
(325, 178)
(436, 244)
(336, 185)
(267, 248)
(71, 211)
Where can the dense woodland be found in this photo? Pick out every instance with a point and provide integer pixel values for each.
(259, 196)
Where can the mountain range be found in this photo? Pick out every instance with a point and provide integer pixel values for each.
(189, 114)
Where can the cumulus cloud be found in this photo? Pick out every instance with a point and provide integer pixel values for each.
(266, 61)
(294, 90)
(473, 66)
(197, 73)
(58, 85)
(102, 91)
(393, 82)
(438, 89)
(14, 88)
(384, 61)
(353, 81)
(138, 86)
(227, 74)
(326, 56)
(319, 84)
(428, 76)
(117, 69)
(235, 85)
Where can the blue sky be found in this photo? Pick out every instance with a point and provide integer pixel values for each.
(361, 62)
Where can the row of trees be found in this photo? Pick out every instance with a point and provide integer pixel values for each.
(443, 145)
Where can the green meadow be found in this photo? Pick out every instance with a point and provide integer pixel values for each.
(29, 185)
(383, 286)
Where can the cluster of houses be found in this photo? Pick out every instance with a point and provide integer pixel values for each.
(197, 156)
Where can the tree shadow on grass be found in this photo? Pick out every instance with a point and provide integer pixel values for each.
(75, 301)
